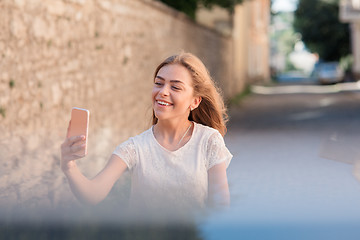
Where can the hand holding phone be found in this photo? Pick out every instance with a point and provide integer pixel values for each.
(79, 126)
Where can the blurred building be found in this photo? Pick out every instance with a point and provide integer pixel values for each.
(248, 26)
(350, 12)
(216, 18)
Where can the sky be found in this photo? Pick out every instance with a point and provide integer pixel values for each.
(284, 5)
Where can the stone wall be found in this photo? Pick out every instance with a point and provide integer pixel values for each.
(94, 54)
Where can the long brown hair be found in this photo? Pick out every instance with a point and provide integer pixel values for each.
(211, 111)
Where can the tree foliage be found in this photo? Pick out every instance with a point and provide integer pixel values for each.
(321, 30)
(189, 7)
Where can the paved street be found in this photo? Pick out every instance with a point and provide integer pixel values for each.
(292, 172)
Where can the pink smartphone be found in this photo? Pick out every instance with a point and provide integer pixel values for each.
(79, 126)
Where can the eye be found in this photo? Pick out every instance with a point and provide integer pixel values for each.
(176, 88)
(158, 83)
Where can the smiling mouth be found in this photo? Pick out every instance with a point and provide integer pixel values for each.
(162, 103)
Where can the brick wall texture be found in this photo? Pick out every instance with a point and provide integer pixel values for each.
(94, 54)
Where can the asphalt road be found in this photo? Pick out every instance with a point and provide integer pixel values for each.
(292, 175)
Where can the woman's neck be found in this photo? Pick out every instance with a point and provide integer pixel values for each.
(172, 135)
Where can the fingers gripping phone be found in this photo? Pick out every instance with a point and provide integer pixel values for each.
(79, 125)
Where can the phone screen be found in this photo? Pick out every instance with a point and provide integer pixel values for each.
(79, 125)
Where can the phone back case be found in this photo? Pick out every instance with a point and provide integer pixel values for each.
(79, 125)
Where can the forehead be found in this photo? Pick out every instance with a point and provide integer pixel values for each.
(175, 72)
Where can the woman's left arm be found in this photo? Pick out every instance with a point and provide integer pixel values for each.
(218, 188)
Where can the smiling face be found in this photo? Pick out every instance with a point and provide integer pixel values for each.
(173, 94)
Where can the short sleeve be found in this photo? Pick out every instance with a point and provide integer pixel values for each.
(216, 151)
(127, 152)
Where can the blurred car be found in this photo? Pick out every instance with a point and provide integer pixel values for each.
(328, 73)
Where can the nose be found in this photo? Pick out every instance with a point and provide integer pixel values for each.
(164, 91)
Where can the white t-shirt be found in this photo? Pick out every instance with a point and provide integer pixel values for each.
(163, 179)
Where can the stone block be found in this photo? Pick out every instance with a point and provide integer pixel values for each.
(4, 98)
(2, 47)
(20, 3)
(56, 8)
(56, 94)
(5, 76)
(35, 6)
(17, 27)
(24, 113)
(42, 29)
(80, 2)
(70, 66)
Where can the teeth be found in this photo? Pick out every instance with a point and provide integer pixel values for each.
(163, 103)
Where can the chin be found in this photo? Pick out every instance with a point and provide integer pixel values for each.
(160, 116)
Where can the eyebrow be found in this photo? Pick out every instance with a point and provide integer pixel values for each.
(175, 81)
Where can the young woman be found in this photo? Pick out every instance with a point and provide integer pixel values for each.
(180, 162)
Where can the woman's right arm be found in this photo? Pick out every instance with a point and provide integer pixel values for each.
(90, 191)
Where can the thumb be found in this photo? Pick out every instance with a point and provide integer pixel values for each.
(68, 130)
